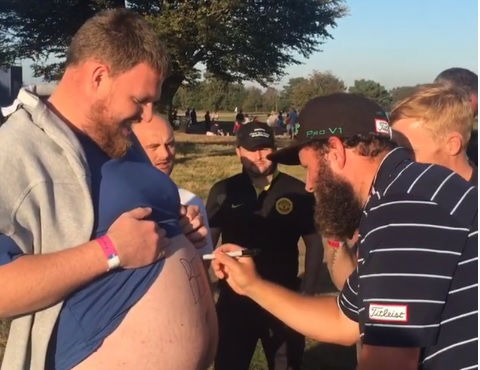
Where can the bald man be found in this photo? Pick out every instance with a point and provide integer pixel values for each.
(158, 142)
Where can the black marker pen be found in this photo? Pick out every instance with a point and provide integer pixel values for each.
(241, 253)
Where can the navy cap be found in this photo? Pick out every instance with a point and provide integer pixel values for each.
(343, 115)
(255, 135)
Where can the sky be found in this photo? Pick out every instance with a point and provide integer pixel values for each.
(397, 42)
(393, 42)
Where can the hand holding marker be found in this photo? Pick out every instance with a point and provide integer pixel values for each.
(241, 253)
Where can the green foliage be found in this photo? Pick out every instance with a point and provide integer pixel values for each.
(253, 100)
(299, 90)
(285, 101)
(318, 84)
(270, 100)
(235, 40)
(210, 94)
(372, 90)
(214, 94)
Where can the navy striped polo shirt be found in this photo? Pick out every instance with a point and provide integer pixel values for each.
(416, 280)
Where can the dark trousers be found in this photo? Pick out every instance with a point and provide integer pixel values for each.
(241, 324)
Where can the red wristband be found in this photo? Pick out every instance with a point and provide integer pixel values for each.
(334, 243)
(110, 252)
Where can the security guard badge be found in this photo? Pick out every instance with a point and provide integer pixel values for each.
(284, 206)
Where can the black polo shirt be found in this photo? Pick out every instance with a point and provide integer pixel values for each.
(416, 280)
(273, 221)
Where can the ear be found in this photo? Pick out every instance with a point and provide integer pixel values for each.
(237, 150)
(100, 79)
(454, 143)
(336, 155)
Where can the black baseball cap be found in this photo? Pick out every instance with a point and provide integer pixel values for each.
(341, 114)
(255, 135)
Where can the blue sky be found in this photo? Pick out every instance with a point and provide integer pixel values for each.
(394, 42)
(398, 42)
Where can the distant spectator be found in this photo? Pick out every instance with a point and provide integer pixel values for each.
(239, 119)
(280, 122)
(272, 120)
(216, 130)
(208, 121)
(187, 117)
(193, 116)
(174, 119)
(236, 127)
(292, 120)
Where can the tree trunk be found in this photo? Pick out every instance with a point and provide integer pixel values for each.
(169, 88)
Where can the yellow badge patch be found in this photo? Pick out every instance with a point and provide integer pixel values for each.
(284, 206)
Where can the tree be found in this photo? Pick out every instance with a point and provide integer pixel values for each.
(270, 99)
(285, 101)
(214, 94)
(253, 100)
(372, 90)
(234, 40)
(318, 84)
(210, 94)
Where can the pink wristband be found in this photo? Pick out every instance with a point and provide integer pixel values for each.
(110, 252)
(334, 243)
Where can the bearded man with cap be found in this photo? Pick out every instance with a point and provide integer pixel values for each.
(260, 208)
(412, 300)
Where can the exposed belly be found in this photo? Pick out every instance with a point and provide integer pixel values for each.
(172, 327)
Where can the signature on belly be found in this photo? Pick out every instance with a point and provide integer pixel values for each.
(193, 276)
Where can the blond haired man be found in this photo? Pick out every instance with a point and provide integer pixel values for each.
(436, 123)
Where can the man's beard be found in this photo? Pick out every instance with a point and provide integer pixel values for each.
(337, 209)
(106, 133)
(254, 173)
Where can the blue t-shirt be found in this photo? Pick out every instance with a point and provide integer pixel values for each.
(93, 312)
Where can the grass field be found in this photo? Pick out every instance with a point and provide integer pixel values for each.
(201, 161)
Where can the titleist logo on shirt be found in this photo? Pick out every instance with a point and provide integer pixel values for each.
(388, 312)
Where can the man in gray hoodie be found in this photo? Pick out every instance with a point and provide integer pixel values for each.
(49, 198)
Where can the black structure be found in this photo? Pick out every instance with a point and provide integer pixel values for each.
(10, 83)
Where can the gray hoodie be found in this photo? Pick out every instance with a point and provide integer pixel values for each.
(45, 206)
